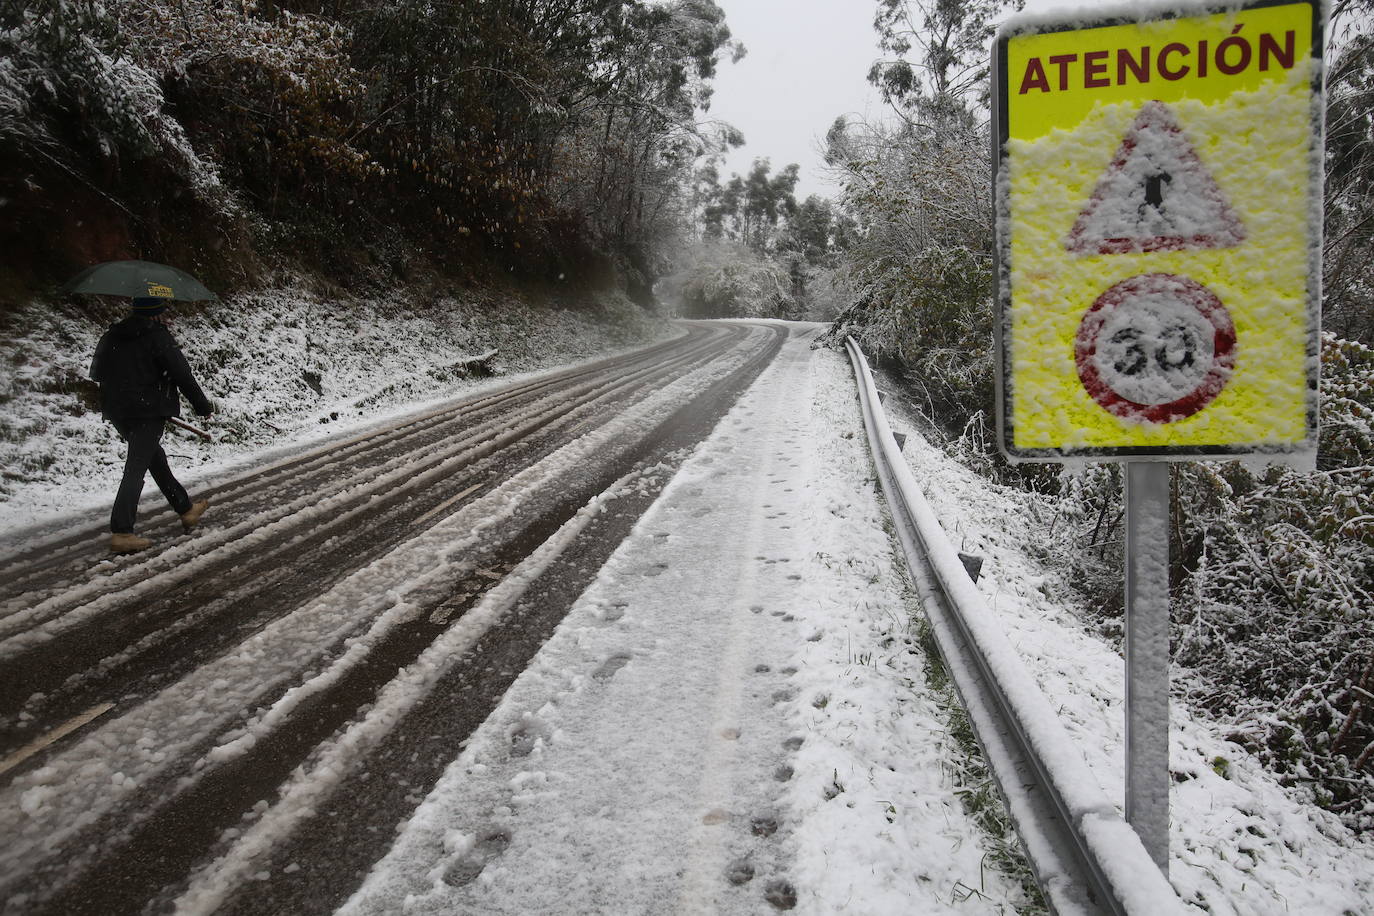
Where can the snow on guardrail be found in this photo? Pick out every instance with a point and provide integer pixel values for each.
(1086, 858)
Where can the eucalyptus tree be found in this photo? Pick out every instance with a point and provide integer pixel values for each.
(1349, 269)
(919, 189)
(936, 53)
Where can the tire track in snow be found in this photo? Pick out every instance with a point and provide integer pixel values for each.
(209, 591)
(52, 560)
(50, 882)
(330, 469)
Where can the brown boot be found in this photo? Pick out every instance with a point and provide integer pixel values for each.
(128, 543)
(193, 514)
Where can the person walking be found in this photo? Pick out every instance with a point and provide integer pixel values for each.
(140, 369)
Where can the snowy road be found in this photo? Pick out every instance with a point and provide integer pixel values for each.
(154, 706)
(625, 638)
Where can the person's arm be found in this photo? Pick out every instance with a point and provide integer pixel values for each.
(102, 350)
(179, 371)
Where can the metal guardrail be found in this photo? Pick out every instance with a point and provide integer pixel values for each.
(1086, 858)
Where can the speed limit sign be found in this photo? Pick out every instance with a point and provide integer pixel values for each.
(1155, 348)
(1159, 224)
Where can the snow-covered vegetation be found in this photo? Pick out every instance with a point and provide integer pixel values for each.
(366, 143)
(1271, 578)
(1273, 572)
(756, 251)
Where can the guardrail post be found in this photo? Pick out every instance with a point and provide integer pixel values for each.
(1147, 656)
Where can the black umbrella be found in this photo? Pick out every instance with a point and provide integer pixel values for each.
(138, 278)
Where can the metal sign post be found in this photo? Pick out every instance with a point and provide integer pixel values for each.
(1158, 182)
(1147, 656)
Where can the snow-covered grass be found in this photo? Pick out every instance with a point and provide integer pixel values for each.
(284, 367)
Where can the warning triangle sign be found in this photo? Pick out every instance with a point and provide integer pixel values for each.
(1156, 195)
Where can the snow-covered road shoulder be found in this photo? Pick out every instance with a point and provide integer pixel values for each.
(731, 718)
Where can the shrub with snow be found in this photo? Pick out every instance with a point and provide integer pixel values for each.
(731, 280)
(1276, 608)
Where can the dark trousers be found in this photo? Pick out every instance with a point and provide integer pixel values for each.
(144, 436)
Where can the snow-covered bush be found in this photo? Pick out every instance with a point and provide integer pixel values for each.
(730, 280)
(921, 263)
(271, 92)
(1276, 613)
(932, 314)
(67, 79)
(1347, 268)
(1088, 537)
(1273, 585)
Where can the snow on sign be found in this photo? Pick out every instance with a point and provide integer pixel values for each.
(1159, 220)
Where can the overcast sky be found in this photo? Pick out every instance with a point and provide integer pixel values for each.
(807, 64)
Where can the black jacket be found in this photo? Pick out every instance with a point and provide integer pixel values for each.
(140, 368)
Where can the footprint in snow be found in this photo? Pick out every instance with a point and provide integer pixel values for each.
(526, 735)
(657, 569)
(763, 826)
(739, 872)
(781, 894)
(611, 665)
(522, 743)
(487, 849)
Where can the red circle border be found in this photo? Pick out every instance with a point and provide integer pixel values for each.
(1189, 291)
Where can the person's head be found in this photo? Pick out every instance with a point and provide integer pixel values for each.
(150, 306)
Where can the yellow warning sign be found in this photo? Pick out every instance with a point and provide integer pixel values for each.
(1159, 231)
